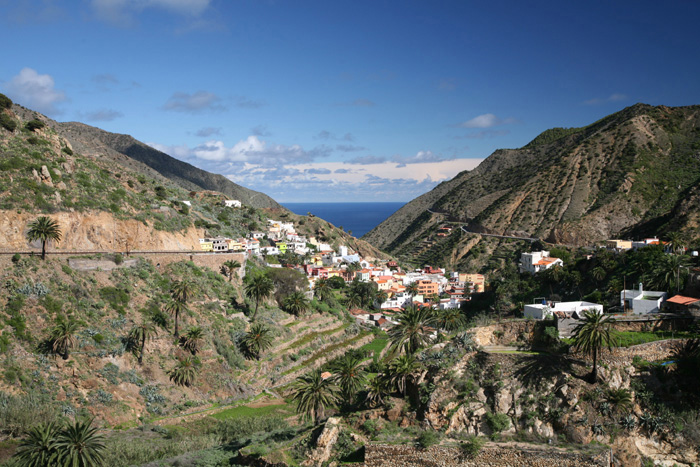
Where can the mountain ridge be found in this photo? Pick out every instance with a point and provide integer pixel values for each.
(576, 186)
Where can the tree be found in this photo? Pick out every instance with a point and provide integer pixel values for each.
(350, 375)
(670, 272)
(450, 319)
(63, 337)
(322, 289)
(182, 290)
(257, 340)
(44, 229)
(80, 445)
(38, 448)
(175, 307)
(354, 299)
(598, 273)
(592, 334)
(296, 303)
(185, 372)
(402, 371)
(376, 391)
(412, 290)
(258, 289)
(229, 268)
(190, 341)
(139, 334)
(413, 329)
(381, 297)
(313, 395)
(676, 242)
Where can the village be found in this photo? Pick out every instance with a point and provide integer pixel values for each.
(280, 245)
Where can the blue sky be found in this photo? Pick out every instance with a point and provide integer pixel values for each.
(344, 101)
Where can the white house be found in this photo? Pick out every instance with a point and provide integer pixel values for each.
(232, 203)
(641, 302)
(549, 309)
(538, 261)
(188, 203)
(269, 250)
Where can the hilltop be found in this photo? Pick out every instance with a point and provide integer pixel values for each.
(634, 172)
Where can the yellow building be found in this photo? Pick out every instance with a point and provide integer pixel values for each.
(205, 244)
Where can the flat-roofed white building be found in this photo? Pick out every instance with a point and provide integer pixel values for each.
(549, 309)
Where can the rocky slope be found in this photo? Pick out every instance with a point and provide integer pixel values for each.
(135, 155)
(628, 172)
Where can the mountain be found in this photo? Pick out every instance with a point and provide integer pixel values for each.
(133, 154)
(631, 173)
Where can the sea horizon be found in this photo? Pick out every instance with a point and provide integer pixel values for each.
(358, 217)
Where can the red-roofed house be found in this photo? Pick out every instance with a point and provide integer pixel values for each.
(538, 261)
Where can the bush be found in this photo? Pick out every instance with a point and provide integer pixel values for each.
(497, 422)
(472, 447)
(16, 257)
(8, 122)
(5, 102)
(118, 259)
(428, 438)
(33, 125)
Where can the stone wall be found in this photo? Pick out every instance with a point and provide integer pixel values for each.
(651, 351)
(212, 261)
(657, 323)
(506, 333)
(380, 455)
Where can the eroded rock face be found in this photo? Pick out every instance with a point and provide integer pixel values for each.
(324, 443)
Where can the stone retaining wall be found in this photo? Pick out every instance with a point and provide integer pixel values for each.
(379, 455)
(651, 352)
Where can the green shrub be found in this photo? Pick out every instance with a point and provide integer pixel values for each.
(472, 447)
(33, 125)
(118, 258)
(8, 122)
(497, 422)
(428, 438)
(16, 257)
(5, 102)
(117, 298)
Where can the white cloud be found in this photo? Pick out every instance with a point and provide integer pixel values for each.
(35, 91)
(485, 121)
(121, 12)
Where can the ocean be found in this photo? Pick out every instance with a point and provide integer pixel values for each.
(359, 218)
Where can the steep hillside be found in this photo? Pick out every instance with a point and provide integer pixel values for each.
(135, 155)
(627, 172)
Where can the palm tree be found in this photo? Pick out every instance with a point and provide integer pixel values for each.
(402, 371)
(44, 229)
(139, 334)
(350, 375)
(184, 373)
(412, 290)
(38, 449)
(257, 340)
(322, 289)
(670, 271)
(182, 290)
(313, 394)
(677, 242)
(259, 288)
(79, 445)
(413, 329)
(229, 268)
(450, 319)
(175, 307)
(592, 334)
(621, 399)
(354, 299)
(381, 297)
(63, 337)
(296, 303)
(598, 273)
(376, 391)
(190, 341)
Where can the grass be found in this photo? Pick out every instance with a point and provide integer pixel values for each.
(376, 346)
(630, 338)
(327, 351)
(310, 337)
(247, 411)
